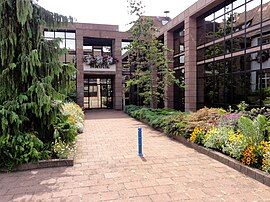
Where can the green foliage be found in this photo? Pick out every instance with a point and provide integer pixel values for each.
(242, 106)
(175, 125)
(18, 149)
(253, 129)
(65, 130)
(236, 144)
(148, 56)
(33, 83)
(216, 138)
(131, 108)
(157, 118)
(197, 136)
(32, 79)
(75, 115)
(62, 149)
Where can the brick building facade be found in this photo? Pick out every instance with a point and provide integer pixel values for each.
(220, 49)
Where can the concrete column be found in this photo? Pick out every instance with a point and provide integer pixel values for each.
(118, 85)
(80, 70)
(169, 89)
(190, 65)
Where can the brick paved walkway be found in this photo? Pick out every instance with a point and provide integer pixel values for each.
(107, 168)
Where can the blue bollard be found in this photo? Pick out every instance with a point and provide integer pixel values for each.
(140, 154)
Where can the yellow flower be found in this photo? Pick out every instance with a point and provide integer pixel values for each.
(195, 133)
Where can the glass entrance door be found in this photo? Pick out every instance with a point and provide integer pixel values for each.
(98, 93)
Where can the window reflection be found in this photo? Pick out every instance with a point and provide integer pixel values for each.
(253, 12)
(67, 40)
(238, 18)
(219, 27)
(242, 30)
(60, 35)
(238, 3)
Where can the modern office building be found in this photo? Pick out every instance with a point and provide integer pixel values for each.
(96, 51)
(220, 49)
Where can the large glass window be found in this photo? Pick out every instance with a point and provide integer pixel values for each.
(67, 40)
(240, 28)
(178, 65)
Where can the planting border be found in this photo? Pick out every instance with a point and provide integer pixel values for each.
(254, 173)
(53, 163)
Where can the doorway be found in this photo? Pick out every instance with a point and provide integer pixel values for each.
(98, 93)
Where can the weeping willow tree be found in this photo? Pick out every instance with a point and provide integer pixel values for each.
(33, 81)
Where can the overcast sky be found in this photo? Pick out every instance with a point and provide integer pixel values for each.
(112, 11)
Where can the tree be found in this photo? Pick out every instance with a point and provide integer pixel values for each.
(146, 54)
(33, 81)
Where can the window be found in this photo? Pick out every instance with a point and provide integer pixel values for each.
(236, 28)
(182, 59)
(238, 16)
(181, 48)
(48, 34)
(182, 33)
(238, 3)
(67, 40)
(265, 80)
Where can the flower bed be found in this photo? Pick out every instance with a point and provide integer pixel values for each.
(240, 134)
(16, 152)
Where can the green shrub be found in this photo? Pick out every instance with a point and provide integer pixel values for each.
(75, 115)
(19, 149)
(204, 118)
(65, 130)
(175, 125)
(197, 135)
(131, 108)
(216, 138)
(236, 144)
(266, 162)
(62, 149)
(253, 129)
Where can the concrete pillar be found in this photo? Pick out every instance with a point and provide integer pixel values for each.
(169, 89)
(190, 65)
(118, 85)
(80, 70)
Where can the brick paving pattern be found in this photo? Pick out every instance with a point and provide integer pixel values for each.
(107, 169)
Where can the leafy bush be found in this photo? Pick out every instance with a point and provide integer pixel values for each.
(242, 106)
(253, 129)
(197, 135)
(175, 125)
(131, 108)
(253, 113)
(249, 156)
(75, 115)
(216, 138)
(236, 144)
(19, 149)
(62, 149)
(65, 130)
(204, 118)
(230, 119)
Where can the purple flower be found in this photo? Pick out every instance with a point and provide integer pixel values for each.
(230, 119)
